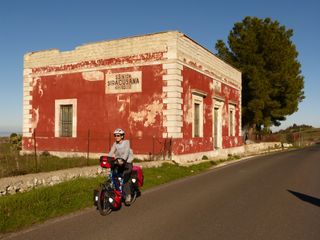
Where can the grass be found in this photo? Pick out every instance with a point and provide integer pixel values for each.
(25, 209)
(311, 135)
(170, 172)
(12, 164)
(21, 210)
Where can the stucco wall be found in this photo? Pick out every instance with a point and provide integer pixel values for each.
(97, 111)
(170, 64)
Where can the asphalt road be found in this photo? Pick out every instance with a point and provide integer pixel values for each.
(269, 197)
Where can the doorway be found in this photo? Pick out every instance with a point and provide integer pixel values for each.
(217, 124)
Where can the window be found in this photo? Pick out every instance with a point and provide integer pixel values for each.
(197, 113)
(196, 120)
(232, 127)
(65, 121)
(217, 122)
(65, 118)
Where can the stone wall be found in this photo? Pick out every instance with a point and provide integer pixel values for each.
(24, 183)
(245, 150)
(12, 185)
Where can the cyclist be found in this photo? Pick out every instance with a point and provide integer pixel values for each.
(122, 152)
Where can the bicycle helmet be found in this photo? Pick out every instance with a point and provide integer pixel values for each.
(119, 131)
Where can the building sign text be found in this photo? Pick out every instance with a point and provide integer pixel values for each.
(125, 82)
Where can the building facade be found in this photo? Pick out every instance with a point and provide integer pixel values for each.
(165, 90)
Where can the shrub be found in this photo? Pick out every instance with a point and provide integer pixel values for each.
(15, 141)
(45, 154)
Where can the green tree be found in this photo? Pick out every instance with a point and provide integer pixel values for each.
(272, 84)
(15, 142)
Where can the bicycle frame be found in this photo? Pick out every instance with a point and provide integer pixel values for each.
(117, 183)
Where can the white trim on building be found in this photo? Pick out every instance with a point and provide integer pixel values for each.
(232, 120)
(57, 116)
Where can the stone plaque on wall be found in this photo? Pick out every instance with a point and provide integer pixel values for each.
(217, 86)
(124, 82)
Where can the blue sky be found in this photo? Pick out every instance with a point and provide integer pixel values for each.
(35, 25)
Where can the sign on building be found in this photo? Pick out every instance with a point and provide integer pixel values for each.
(125, 82)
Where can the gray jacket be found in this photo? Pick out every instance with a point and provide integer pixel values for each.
(122, 150)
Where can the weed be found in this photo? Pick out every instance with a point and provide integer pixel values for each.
(24, 209)
(204, 157)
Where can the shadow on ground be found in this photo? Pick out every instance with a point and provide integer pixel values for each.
(306, 198)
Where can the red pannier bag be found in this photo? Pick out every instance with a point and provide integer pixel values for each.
(105, 161)
(139, 175)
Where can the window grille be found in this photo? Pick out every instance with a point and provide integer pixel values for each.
(66, 120)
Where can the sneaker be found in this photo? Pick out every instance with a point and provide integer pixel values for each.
(128, 198)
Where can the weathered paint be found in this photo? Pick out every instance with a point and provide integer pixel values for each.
(161, 108)
(192, 79)
(101, 62)
(93, 76)
(98, 112)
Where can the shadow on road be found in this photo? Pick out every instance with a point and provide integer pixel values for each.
(306, 198)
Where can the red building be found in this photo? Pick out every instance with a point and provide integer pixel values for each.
(167, 92)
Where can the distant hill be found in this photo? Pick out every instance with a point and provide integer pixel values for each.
(299, 135)
(296, 128)
(5, 134)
